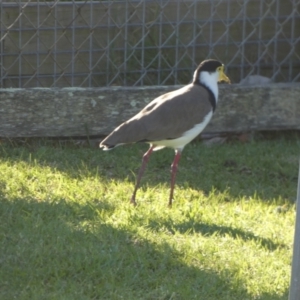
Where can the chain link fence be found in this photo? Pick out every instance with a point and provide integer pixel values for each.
(145, 42)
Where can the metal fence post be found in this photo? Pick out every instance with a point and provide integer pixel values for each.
(295, 274)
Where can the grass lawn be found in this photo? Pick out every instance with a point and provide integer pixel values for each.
(68, 231)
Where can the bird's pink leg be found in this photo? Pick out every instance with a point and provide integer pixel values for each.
(173, 174)
(141, 172)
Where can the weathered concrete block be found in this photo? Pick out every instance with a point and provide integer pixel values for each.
(47, 112)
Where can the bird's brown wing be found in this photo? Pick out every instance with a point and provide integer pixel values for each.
(166, 117)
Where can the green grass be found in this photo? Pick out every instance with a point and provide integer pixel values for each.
(67, 230)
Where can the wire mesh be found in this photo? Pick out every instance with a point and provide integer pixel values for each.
(152, 42)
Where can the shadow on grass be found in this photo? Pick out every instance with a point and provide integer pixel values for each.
(61, 250)
(191, 227)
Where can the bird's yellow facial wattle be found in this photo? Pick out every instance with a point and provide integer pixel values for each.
(222, 75)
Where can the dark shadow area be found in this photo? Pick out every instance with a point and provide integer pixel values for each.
(46, 255)
(192, 227)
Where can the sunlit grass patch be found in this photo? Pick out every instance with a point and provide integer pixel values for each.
(68, 231)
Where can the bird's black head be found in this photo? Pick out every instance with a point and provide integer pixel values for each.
(209, 65)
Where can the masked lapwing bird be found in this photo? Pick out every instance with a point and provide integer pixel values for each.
(173, 119)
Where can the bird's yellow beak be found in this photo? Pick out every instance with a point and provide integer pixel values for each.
(222, 75)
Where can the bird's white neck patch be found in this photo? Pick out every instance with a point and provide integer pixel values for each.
(209, 79)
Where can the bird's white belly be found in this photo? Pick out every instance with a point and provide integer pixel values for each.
(187, 137)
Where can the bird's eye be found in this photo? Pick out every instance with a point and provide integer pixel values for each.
(220, 69)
